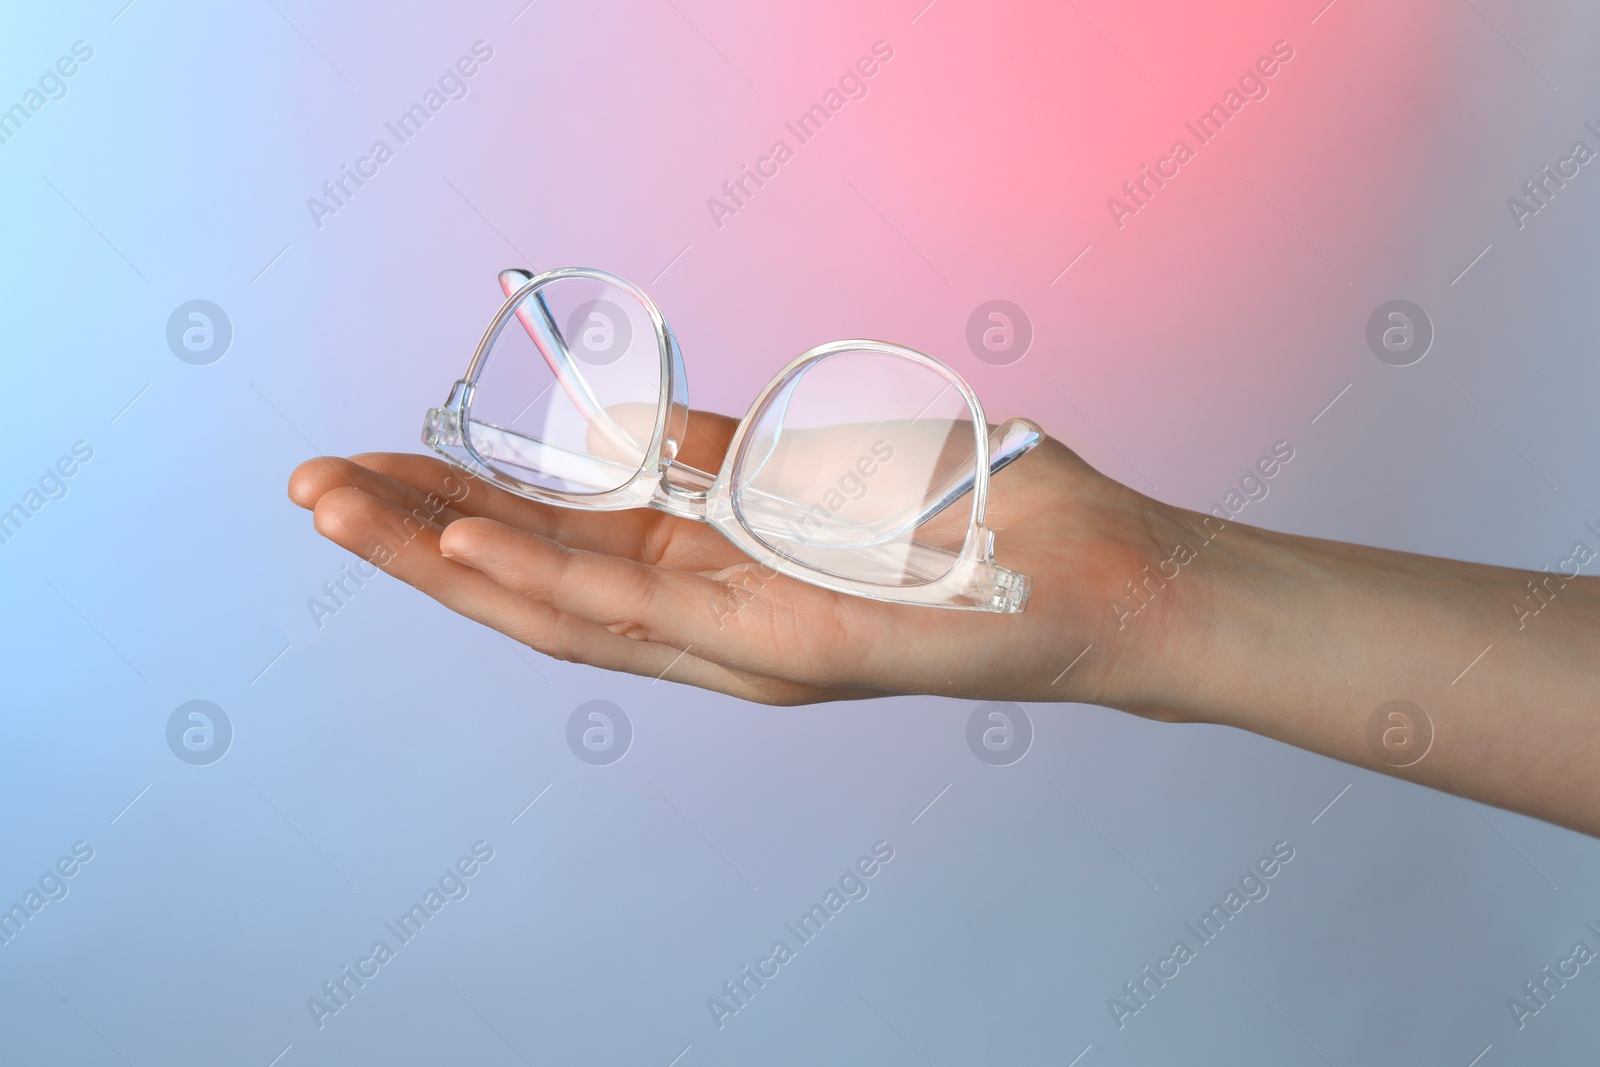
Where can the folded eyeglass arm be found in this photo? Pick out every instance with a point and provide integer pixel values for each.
(534, 314)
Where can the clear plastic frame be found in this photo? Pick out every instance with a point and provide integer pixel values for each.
(863, 467)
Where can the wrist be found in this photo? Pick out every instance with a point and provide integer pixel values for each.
(1484, 674)
(1206, 623)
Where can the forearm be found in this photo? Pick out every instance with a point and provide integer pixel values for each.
(1303, 640)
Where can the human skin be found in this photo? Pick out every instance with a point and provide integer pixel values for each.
(1294, 638)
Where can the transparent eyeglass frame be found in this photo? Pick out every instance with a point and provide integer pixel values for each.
(967, 579)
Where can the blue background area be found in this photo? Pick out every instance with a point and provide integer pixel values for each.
(371, 752)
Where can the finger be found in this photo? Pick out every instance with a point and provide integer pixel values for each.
(625, 533)
(394, 540)
(315, 478)
(705, 443)
(781, 628)
(640, 534)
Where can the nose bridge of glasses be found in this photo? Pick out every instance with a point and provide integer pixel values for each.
(682, 491)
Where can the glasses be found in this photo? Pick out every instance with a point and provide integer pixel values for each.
(863, 467)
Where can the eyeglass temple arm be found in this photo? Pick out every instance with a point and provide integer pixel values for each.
(536, 319)
(1008, 442)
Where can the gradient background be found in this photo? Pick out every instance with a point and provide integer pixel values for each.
(370, 753)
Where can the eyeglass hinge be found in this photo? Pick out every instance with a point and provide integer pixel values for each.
(443, 424)
(442, 428)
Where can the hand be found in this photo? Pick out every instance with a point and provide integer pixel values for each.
(1157, 611)
(651, 594)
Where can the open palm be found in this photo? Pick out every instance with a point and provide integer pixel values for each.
(651, 594)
